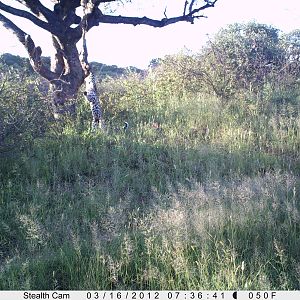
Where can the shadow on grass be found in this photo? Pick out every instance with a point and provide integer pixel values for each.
(63, 197)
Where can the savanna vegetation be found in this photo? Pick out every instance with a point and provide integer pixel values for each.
(200, 192)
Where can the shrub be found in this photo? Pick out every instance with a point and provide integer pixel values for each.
(24, 113)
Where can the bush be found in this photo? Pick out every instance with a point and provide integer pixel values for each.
(24, 113)
(241, 57)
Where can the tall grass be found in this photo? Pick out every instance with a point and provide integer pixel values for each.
(196, 194)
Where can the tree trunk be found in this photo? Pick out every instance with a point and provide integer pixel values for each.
(72, 70)
(71, 74)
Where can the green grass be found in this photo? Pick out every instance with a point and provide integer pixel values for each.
(207, 200)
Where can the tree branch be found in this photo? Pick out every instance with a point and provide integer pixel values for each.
(38, 8)
(30, 17)
(57, 63)
(191, 5)
(185, 6)
(33, 51)
(97, 17)
(207, 5)
(144, 21)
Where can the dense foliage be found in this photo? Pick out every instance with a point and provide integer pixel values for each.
(24, 112)
(241, 59)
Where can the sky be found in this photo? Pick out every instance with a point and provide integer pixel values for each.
(128, 45)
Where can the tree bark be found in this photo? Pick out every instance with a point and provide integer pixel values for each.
(70, 76)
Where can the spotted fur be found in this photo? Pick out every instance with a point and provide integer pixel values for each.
(91, 95)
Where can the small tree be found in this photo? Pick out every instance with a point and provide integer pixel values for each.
(69, 67)
(241, 57)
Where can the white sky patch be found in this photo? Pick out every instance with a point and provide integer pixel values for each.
(126, 45)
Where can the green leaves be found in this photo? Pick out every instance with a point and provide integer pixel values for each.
(243, 56)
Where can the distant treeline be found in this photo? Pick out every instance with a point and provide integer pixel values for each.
(99, 69)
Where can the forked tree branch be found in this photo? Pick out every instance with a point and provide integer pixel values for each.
(38, 9)
(208, 4)
(33, 51)
(30, 17)
(97, 17)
